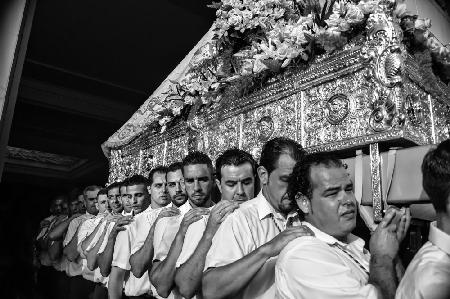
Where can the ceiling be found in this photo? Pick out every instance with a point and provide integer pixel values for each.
(89, 66)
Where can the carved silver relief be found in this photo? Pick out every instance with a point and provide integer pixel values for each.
(337, 108)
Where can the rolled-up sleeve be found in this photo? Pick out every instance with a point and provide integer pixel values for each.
(122, 250)
(232, 242)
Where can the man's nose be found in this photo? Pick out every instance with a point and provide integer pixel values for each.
(178, 187)
(134, 199)
(197, 186)
(240, 189)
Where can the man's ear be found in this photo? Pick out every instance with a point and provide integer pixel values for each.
(218, 185)
(303, 203)
(263, 175)
(149, 190)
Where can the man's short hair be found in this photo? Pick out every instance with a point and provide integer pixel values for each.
(136, 179)
(436, 175)
(113, 185)
(234, 157)
(277, 146)
(91, 188)
(195, 158)
(157, 169)
(102, 191)
(300, 180)
(175, 166)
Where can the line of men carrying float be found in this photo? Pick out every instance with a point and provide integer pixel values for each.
(164, 237)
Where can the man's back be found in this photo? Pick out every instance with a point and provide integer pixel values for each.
(428, 274)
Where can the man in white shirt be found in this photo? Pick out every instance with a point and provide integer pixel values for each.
(170, 232)
(171, 187)
(137, 191)
(47, 273)
(120, 205)
(428, 274)
(89, 229)
(115, 198)
(334, 263)
(241, 260)
(78, 286)
(235, 178)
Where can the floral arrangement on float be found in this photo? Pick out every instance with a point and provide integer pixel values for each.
(258, 42)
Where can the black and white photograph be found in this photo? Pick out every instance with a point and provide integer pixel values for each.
(238, 149)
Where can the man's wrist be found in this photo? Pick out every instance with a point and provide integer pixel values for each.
(264, 251)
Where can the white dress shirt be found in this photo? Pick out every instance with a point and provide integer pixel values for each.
(323, 267)
(75, 268)
(98, 277)
(44, 257)
(122, 251)
(86, 228)
(192, 238)
(428, 274)
(255, 223)
(165, 231)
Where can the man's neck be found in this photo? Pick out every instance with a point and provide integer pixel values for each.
(443, 222)
(343, 239)
(269, 200)
(207, 204)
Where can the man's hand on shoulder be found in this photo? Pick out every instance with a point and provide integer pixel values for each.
(190, 217)
(167, 212)
(274, 246)
(218, 214)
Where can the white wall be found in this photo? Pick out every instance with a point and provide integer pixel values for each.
(440, 21)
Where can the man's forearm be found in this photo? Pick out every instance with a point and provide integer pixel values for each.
(105, 258)
(383, 275)
(163, 275)
(58, 231)
(54, 251)
(70, 250)
(91, 255)
(141, 260)
(188, 277)
(90, 238)
(221, 282)
(115, 283)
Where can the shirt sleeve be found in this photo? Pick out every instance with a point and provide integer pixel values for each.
(192, 238)
(96, 238)
(232, 241)
(143, 226)
(307, 268)
(165, 232)
(71, 230)
(84, 230)
(122, 250)
(106, 237)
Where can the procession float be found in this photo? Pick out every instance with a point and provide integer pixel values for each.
(365, 79)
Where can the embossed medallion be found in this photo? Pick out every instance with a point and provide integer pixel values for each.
(337, 108)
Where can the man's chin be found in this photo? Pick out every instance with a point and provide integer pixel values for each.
(286, 206)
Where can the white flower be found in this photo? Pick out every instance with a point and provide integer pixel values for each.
(354, 14)
(368, 7)
(422, 24)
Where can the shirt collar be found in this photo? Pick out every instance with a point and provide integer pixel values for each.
(125, 213)
(330, 240)
(184, 208)
(439, 238)
(262, 206)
